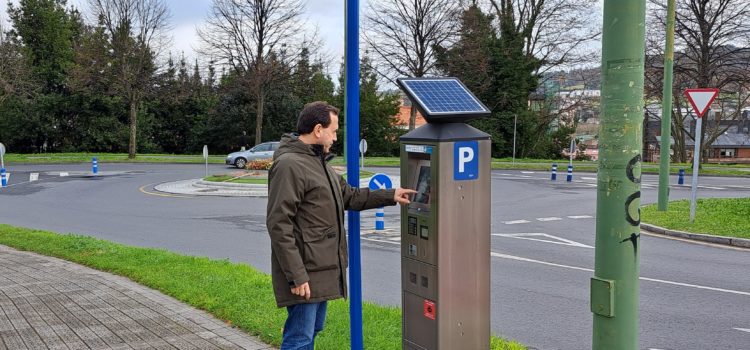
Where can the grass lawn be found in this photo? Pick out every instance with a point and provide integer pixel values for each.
(234, 179)
(713, 216)
(497, 163)
(48, 158)
(263, 180)
(236, 293)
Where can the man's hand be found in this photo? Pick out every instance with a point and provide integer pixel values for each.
(303, 290)
(402, 195)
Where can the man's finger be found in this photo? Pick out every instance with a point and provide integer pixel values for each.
(307, 291)
(403, 200)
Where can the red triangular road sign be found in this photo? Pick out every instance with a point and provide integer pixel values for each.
(701, 99)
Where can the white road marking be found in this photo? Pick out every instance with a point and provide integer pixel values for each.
(527, 172)
(33, 177)
(553, 218)
(588, 178)
(63, 174)
(743, 329)
(550, 239)
(518, 258)
(380, 240)
(516, 222)
(524, 176)
(712, 188)
(580, 217)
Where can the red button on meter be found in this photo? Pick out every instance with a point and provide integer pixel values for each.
(429, 309)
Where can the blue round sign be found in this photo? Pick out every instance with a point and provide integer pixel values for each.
(380, 181)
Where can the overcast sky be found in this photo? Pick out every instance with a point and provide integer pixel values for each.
(326, 15)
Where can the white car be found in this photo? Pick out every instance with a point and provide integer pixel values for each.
(262, 151)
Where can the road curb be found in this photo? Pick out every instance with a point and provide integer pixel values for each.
(730, 241)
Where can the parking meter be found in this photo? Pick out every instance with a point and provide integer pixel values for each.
(445, 231)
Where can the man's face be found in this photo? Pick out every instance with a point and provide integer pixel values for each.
(327, 136)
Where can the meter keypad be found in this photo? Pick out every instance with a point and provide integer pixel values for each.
(412, 229)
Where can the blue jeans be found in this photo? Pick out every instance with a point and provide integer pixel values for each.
(302, 325)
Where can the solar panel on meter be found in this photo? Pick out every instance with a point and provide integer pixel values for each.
(443, 99)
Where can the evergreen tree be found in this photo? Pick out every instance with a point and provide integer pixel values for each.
(44, 31)
(492, 62)
(377, 113)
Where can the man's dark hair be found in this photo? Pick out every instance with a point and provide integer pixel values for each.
(314, 113)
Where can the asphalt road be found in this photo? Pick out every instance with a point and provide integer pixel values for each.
(693, 296)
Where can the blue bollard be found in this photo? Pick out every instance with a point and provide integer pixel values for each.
(4, 179)
(570, 173)
(681, 177)
(380, 219)
(94, 165)
(554, 171)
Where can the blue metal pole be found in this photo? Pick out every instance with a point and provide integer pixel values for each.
(2, 178)
(352, 169)
(554, 171)
(94, 165)
(681, 177)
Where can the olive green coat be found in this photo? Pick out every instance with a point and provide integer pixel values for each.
(305, 220)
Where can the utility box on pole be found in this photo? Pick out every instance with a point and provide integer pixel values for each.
(445, 231)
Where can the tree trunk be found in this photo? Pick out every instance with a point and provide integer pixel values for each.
(412, 116)
(133, 128)
(259, 115)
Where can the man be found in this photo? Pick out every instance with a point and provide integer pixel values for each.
(305, 219)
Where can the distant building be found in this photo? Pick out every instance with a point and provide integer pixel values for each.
(732, 146)
(404, 113)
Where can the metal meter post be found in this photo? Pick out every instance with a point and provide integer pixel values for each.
(205, 157)
(445, 231)
(362, 150)
(3, 179)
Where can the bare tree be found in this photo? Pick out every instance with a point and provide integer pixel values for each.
(558, 33)
(711, 50)
(137, 32)
(403, 35)
(245, 34)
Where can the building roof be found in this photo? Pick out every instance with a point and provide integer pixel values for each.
(727, 140)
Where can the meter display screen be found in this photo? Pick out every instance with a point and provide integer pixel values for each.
(423, 185)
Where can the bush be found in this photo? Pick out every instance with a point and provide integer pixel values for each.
(259, 164)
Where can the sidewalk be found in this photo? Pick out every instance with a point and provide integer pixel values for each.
(48, 303)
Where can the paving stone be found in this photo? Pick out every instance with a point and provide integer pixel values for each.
(12, 339)
(48, 303)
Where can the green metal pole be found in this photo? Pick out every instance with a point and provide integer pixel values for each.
(666, 111)
(614, 287)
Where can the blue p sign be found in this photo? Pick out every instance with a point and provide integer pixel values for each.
(466, 160)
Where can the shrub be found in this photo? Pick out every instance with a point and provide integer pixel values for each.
(259, 164)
